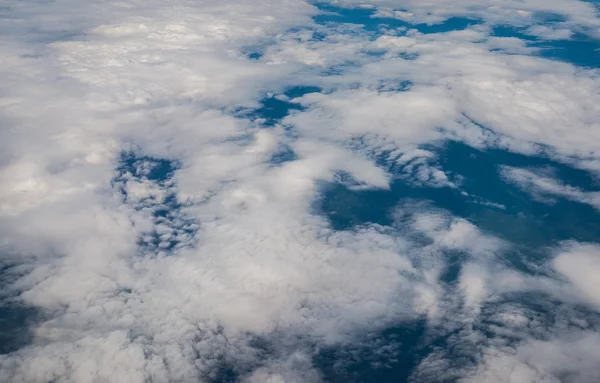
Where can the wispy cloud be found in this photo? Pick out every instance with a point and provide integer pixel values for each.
(546, 187)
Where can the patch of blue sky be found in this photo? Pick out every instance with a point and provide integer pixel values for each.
(17, 320)
(154, 169)
(579, 49)
(372, 23)
(357, 16)
(449, 25)
(273, 108)
(483, 197)
(396, 86)
(172, 229)
(16, 326)
(299, 91)
(254, 55)
(386, 356)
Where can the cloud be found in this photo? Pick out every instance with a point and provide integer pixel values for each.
(580, 265)
(538, 340)
(463, 86)
(544, 187)
(160, 241)
(547, 33)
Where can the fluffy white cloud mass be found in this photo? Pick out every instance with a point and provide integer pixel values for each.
(155, 224)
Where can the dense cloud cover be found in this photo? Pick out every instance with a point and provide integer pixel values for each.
(160, 222)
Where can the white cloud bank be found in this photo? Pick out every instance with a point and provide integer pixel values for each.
(82, 82)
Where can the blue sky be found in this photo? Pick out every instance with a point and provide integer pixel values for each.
(293, 191)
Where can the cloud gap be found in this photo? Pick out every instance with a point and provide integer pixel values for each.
(147, 184)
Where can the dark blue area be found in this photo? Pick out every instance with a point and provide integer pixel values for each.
(273, 109)
(397, 86)
(359, 16)
(511, 31)
(16, 319)
(581, 50)
(366, 19)
(16, 323)
(449, 25)
(166, 212)
(284, 155)
(524, 221)
(151, 168)
(529, 224)
(387, 356)
(253, 52)
(299, 91)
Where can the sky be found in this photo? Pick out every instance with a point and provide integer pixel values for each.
(297, 191)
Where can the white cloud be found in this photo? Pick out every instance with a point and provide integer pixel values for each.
(570, 358)
(533, 340)
(543, 187)
(461, 88)
(83, 82)
(580, 265)
(547, 33)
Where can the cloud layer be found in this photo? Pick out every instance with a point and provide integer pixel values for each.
(146, 218)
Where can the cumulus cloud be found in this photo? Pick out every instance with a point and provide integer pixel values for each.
(161, 242)
(580, 265)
